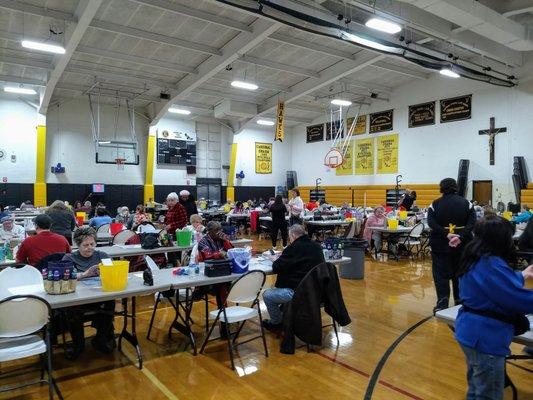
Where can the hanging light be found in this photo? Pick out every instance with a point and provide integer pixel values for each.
(175, 110)
(265, 122)
(244, 85)
(19, 90)
(370, 43)
(383, 25)
(341, 102)
(449, 73)
(41, 46)
(104, 142)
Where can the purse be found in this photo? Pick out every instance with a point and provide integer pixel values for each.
(149, 240)
(214, 268)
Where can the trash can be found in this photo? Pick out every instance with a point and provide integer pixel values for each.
(355, 249)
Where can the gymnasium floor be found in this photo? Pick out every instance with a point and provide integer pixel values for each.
(428, 364)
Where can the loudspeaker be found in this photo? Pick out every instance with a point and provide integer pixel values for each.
(462, 177)
(517, 187)
(191, 169)
(520, 169)
(292, 180)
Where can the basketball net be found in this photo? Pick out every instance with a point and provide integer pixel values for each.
(341, 142)
(120, 163)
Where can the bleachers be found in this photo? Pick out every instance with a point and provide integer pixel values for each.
(526, 195)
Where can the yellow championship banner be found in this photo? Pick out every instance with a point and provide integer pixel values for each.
(346, 168)
(364, 157)
(263, 158)
(388, 154)
(280, 131)
(360, 125)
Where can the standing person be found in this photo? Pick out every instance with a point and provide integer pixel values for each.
(187, 201)
(176, 217)
(63, 221)
(495, 302)
(451, 219)
(407, 199)
(375, 220)
(296, 208)
(278, 210)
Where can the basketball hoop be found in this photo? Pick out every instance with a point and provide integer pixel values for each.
(334, 158)
(120, 163)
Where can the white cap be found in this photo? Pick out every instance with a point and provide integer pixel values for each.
(185, 193)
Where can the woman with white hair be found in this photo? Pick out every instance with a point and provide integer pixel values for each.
(63, 221)
(176, 217)
(375, 220)
(123, 215)
(187, 201)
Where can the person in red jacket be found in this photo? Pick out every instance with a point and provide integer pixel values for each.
(176, 217)
(34, 248)
(215, 244)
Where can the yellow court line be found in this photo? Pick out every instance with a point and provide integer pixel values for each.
(156, 382)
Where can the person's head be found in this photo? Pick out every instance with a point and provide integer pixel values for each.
(8, 222)
(526, 239)
(27, 202)
(239, 205)
(58, 205)
(489, 210)
(379, 211)
(101, 211)
(493, 236)
(172, 199)
(296, 231)
(413, 194)
(184, 195)
(85, 239)
(195, 220)
(525, 207)
(295, 193)
(42, 223)
(448, 186)
(87, 204)
(214, 228)
(77, 204)
(278, 200)
(124, 211)
(139, 209)
(408, 192)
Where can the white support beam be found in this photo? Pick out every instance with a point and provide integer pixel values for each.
(25, 62)
(371, 86)
(135, 59)
(400, 70)
(195, 13)
(117, 76)
(105, 92)
(194, 106)
(304, 44)
(24, 81)
(280, 67)
(511, 8)
(85, 13)
(240, 44)
(36, 10)
(155, 37)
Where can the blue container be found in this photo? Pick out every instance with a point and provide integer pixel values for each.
(240, 260)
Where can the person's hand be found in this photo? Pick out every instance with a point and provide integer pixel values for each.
(222, 235)
(89, 273)
(528, 272)
(454, 240)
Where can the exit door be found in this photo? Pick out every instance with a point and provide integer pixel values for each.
(482, 192)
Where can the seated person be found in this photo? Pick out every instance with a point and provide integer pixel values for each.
(34, 248)
(86, 260)
(196, 228)
(137, 263)
(377, 219)
(296, 260)
(138, 218)
(101, 218)
(27, 205)
(9, 230)
(123, 215)
(524, 216)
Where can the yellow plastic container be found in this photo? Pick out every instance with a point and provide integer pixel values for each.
(227, 208)
(81, 214)
(114, 277)
(402, 215)
(392, 223)
(507, 215)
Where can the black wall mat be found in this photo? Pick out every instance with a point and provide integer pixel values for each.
(13, 194)
(462, 177)
(243, 193)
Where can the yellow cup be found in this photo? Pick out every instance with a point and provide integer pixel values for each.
(392, 223)
(507, 215)
(114, 277)
(81, 214)
(402, 215)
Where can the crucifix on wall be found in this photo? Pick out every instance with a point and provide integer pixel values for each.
(492, 132)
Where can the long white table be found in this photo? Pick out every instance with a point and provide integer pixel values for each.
(399, 230)
(329, 222)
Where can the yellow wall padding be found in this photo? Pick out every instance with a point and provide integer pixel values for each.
(232, 163)
(149, 177)
(39, 189)
(230, 193)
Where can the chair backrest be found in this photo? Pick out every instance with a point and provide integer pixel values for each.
(417, 230)
(104, 228)
(22, 315)
(26, 275)
(151, 263)
(246, 289)
(122, 236)
(50, 257)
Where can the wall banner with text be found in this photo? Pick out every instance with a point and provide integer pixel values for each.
(346, 168)
(263, 158)
(364, 157)
(388, 154)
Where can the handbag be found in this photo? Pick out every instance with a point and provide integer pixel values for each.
(149, 240)
(215, 268)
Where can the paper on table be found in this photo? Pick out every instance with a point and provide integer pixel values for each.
(26, 289)
(130, 246)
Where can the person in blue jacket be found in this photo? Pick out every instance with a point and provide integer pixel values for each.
(493, 296)
(524, 216)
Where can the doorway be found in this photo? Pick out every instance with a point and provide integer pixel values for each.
(482, 192)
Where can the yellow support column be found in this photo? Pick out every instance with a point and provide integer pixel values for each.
(39, 188)
(149, 179)
(230, 191)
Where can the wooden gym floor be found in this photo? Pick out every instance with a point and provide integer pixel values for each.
(428, 364)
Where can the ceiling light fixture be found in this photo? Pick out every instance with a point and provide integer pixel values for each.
(19, 90)
(244, 85)
(383, 25)
(41, 46)
(181, 111)
(370, 43)
(341, 102)
(104, 142)
(265, 122)
(449, 73)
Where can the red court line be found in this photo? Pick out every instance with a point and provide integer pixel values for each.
(362, 373)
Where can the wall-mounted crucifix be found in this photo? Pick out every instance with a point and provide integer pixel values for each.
(492, 132)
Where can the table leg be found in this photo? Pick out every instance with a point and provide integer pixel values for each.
(130, 337)
(183, 324)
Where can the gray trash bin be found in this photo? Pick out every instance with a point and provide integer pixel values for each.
(355, 249)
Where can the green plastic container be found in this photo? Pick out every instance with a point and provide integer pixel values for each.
(184, 238)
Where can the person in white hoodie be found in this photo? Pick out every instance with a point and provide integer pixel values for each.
(296, 208)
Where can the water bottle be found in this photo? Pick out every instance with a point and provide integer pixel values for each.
(7, 251)
(2, 254)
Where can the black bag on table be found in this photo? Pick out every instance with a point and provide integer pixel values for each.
(215, 268)
(149, 240)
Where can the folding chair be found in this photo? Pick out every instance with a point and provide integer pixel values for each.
(246, 289)
(413, 239)
(123, 236)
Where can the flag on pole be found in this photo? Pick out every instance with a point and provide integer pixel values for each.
(280, 132)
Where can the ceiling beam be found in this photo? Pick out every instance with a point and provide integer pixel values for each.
(195, 13)
(240, 44)
(171, 66)
(85, 13)
(36, 10)
(371, 86)
(24, 81)
(117, 76)
(110, 92)
(25, 62)
(155, 37)
(279, 66)
(511, 8)
(194, 106)
(400, 70)
(304, 44)
(227, 95)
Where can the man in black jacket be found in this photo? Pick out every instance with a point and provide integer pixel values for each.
(451, 219)
(300, 257)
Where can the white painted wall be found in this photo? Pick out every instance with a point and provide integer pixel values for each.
(281, 158)
(428, 154)
(18, 122)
